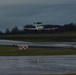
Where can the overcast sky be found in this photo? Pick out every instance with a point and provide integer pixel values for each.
(22, 12)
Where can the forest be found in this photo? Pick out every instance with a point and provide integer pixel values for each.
(60, 28)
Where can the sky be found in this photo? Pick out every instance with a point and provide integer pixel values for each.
(21, 12)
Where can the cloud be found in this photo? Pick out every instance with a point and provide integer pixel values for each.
(37, 11)
(43, 2)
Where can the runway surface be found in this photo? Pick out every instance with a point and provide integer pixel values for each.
(24, 65)
(39, 44)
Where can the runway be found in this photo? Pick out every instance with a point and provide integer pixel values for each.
(29, 65)
(39, 44)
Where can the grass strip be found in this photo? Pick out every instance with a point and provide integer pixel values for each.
(55, 74)
(14, 51)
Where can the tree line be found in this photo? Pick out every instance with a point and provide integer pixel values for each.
(61, 28)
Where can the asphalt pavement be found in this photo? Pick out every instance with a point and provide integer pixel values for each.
(29, 65)
(39, 44)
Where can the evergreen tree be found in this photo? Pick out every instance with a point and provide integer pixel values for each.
(7, 31)
(15, 30)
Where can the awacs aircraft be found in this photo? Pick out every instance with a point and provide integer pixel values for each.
(39, 44)
(39, 27)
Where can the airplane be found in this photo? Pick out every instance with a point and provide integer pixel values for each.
(40, 27)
